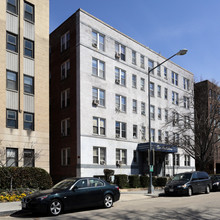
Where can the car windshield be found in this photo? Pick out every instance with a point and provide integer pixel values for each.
(65, 184)
(182, 176)
(217, 178)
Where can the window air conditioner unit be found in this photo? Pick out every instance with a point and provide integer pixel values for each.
(94, 45)
(102, 162)
(117, 55)
(143, 112)
(117, 135)
(117, 109)
(117, 81)
(95, 101)
(118, 163)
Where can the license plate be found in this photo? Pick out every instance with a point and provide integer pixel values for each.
(23, 205)
(171, 190)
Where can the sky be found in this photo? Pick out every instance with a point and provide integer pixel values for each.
(165, 26)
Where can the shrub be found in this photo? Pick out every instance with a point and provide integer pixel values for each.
(121, 180)
(108, 173)
(161, 181)
(24, 177)
(134, 181)
(144, 181)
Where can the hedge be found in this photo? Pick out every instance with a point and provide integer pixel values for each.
(121, 180)
(24, 177)
(134, 181)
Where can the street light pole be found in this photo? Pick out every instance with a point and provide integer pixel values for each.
(150, 188)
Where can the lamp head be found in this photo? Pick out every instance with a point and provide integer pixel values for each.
(182, 52)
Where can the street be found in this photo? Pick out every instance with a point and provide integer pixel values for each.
(140, 206)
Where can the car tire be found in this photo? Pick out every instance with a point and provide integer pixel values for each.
(108, 201)
(207, 190)
(189, 192)
(55, 207)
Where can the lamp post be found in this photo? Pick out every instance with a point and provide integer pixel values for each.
(150, 188)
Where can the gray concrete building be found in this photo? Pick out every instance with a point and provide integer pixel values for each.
(100, 84)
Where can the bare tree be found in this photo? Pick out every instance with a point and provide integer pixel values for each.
(195, 128)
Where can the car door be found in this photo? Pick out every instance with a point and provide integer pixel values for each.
(195, 182)
(77, 196)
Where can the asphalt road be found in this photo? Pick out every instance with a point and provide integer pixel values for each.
(139, 206)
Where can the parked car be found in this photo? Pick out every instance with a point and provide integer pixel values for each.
(189, 183)
(215, 182)
(72, 193)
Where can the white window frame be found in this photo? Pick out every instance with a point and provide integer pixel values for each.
(143, 132)
(152, 89)
(134, 58)
(101, 102)
(175, 77)
(176, 160)
(152, 112)
(121, 158)
(119, 106)
(166, 93)
(185, 83)
(143, 108)
(98, 71)
(142, 84)
(65, 69)
(96, 40)
(150, 65)
(134, 106)
(65, 98)
(99, 127)
(186, 102)
(175, 98)
(134, 81)
(142, 61)
(158, 70)
(65, 156)
(65, 41)
(165, 72)
(159, 136)
(65, 127)
(121, 51)
(119, 79)
(120, 129)
(152, 133)
(135, 131)
(159, 91)
(159, 110)
(187, 160)
(101, 159)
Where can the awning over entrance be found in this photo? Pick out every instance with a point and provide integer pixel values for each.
(157, 147)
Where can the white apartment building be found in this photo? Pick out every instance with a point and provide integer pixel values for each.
(111, 101)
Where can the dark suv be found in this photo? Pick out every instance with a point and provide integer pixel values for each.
(189, 183)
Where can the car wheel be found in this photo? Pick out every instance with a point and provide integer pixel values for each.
(189, 193)
(108, 201)
(55, 207)
(207, 191)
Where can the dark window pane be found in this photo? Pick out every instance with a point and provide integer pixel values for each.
(12, 42)
(29, 12)
(28, 121)
(11, 121)
(28, 48)
(28, 84)
(12, 6)
(12, 80)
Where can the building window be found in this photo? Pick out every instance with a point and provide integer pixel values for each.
(175, 118)
(185, 83)
(98, 96)
(175, 78)
(120, 76)
(158, 70)
(134, 156)
(121, 156)
(142, 84)
(134, 57)
(186, 102)
(65, 70)
(150, 65)
(12, 80)
(167, 162)
(28, 84)
(134, 81)
(98, 40)
(99, 155)
(28, 48)
(143, 111)
(143, 132)
(186, 121)
(175, 98)
(134, 105)
(98, 126)
(120, 129)
(12, 6)
(159, 136)
(119, 51)
(176, 138)
(29, 158)
(166, 115)
(65, 98)
(65, 127)
(158, 91)
(65, 156)
(187, 160)
(159, 113)
(152, 89)
(165, 93)
(11, 157)
(135, 131)
(152, 131)
(176, 159)
(165, 72)
(28, 121)
(152, 112)
(166, 137)
(142, 61)
(65, 41)
(98, 68)
(12, 42)
(28, 12)
(120, 103)
(12, 119)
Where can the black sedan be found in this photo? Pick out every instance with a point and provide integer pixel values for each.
(215, 182)
(71, 194)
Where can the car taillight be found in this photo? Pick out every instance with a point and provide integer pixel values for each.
(117, 187)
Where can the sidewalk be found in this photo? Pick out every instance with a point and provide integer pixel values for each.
(7, 208)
